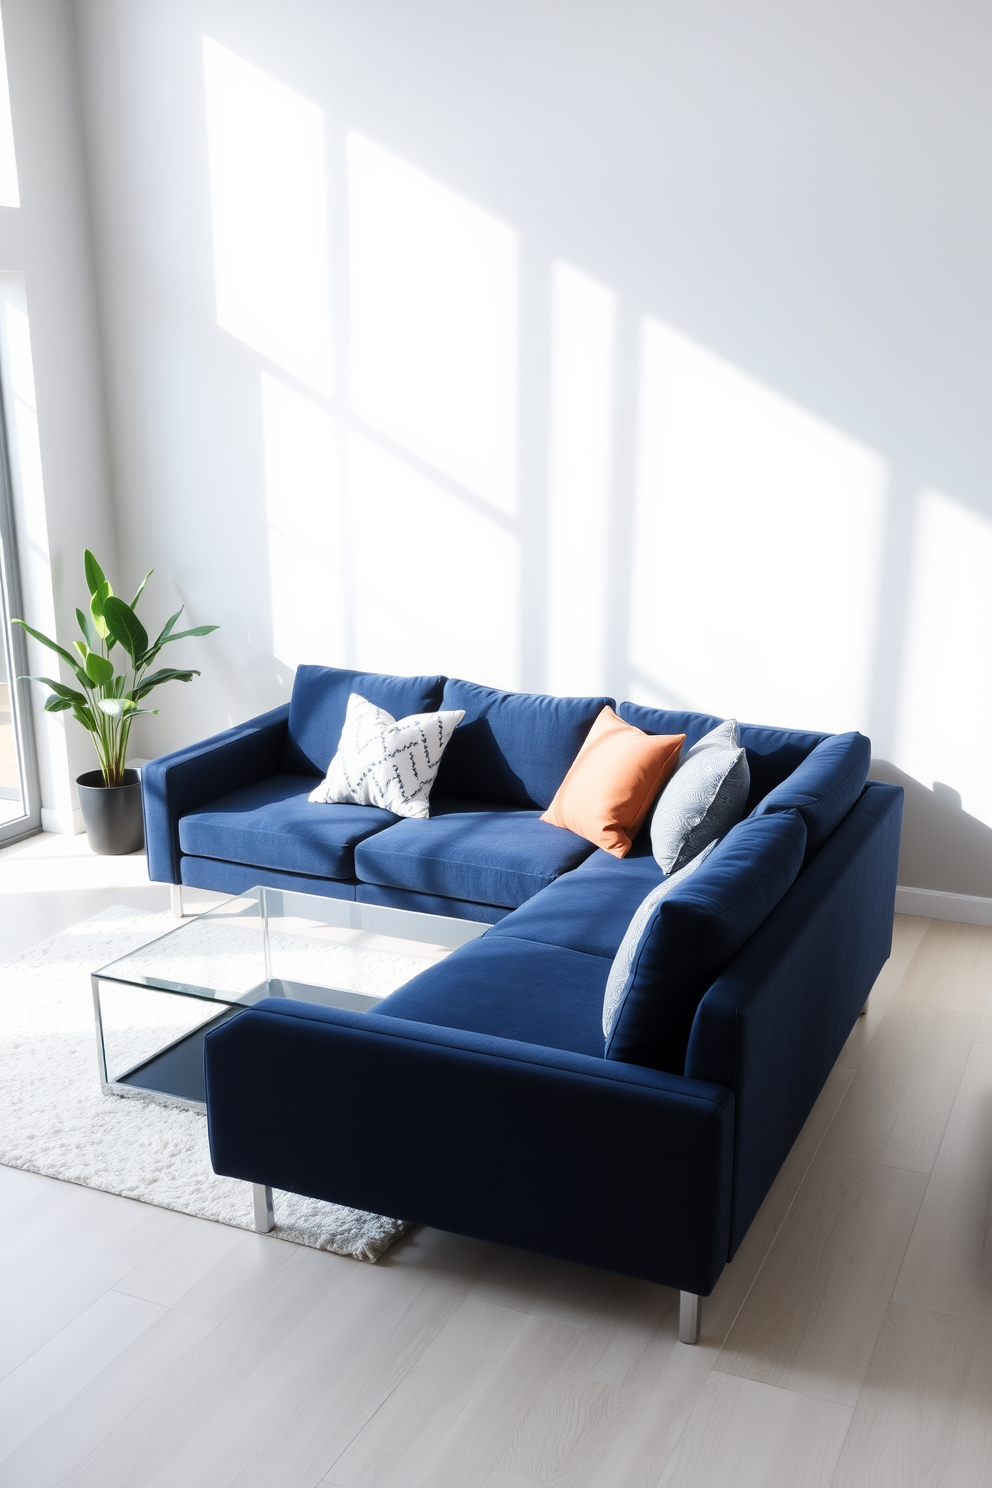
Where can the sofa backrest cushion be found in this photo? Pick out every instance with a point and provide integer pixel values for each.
(824, 787)
(772, 753)
(696, 929)
(319, 704)
(512, 748)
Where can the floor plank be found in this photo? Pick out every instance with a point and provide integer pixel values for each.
(45, 1292)
(293, 1416)
(235, 1277)
(73, 1433)
(185, 1255)
(756, 1436)
(176, 1409)
(924, 1416)
(810, 1322)
(410, 1427)
(485, 1432)
(897, 1106)
(948, 1264)
(54, 1373)
(952, 968)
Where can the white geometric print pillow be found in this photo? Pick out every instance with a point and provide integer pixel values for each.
(382, 762)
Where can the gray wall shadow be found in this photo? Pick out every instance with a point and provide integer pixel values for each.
(942, 846)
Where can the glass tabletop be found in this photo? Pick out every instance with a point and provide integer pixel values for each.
(278, 943)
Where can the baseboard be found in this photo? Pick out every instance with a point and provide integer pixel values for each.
(935, 904)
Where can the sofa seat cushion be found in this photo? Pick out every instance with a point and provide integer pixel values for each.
(273, 825)
(512, 989)
(824, 787)
(467, 850)
(512, 748)
(588, 910)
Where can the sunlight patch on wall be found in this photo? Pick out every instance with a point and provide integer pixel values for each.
(10, 196)
(946, 701)
(304, 529)
(268, 199)
(757, 546)
(434, 322)
(582, 370)
(437, 584)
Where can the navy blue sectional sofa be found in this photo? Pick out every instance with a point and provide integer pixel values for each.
(480, 1097)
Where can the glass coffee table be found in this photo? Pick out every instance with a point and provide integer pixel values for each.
(263, 943)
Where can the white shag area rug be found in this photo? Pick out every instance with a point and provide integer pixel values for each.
(55, 1119)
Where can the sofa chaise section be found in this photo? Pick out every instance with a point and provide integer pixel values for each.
(567, 1154)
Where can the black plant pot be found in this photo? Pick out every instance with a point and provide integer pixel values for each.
(112, 813)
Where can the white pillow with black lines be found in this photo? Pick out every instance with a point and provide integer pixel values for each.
(387, 762)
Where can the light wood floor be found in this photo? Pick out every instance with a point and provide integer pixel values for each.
(849, 1342)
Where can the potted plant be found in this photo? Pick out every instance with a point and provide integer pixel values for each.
(107, 702)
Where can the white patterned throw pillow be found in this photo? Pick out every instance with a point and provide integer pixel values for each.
(384, 762)
(704, 798)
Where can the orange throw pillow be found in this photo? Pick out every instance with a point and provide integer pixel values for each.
(613, 781)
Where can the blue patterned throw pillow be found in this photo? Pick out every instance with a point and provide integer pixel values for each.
(704, 798)
(624, 962)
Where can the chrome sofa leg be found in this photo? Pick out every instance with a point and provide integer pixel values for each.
(864, 1011)
(262, 1200)
(690, 1316)
(176, 897)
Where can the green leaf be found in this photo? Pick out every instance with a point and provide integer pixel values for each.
(86, 626)
(95, 576)
(167, 674)
(96, 610)
(52, 645)
(83, 650)
(56, 704)
(141, 587)
(197, 630)
(60, 690)
(99, 669)
(83, 715)
(125, 627)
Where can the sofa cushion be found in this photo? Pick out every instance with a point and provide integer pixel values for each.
(385, 763)
(824, 787)
(695, 932)
(512, 748)
(703, 800)
(772, 753)
(613, 781)
(319, 703)
(511, 989)
(468, 850)
(273, 825)
(588, 909)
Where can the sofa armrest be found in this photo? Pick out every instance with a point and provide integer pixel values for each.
(773, 1023)
(188, 778)
(586, 1159)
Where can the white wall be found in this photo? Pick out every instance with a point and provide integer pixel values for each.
(608, 344)
(50, 353)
